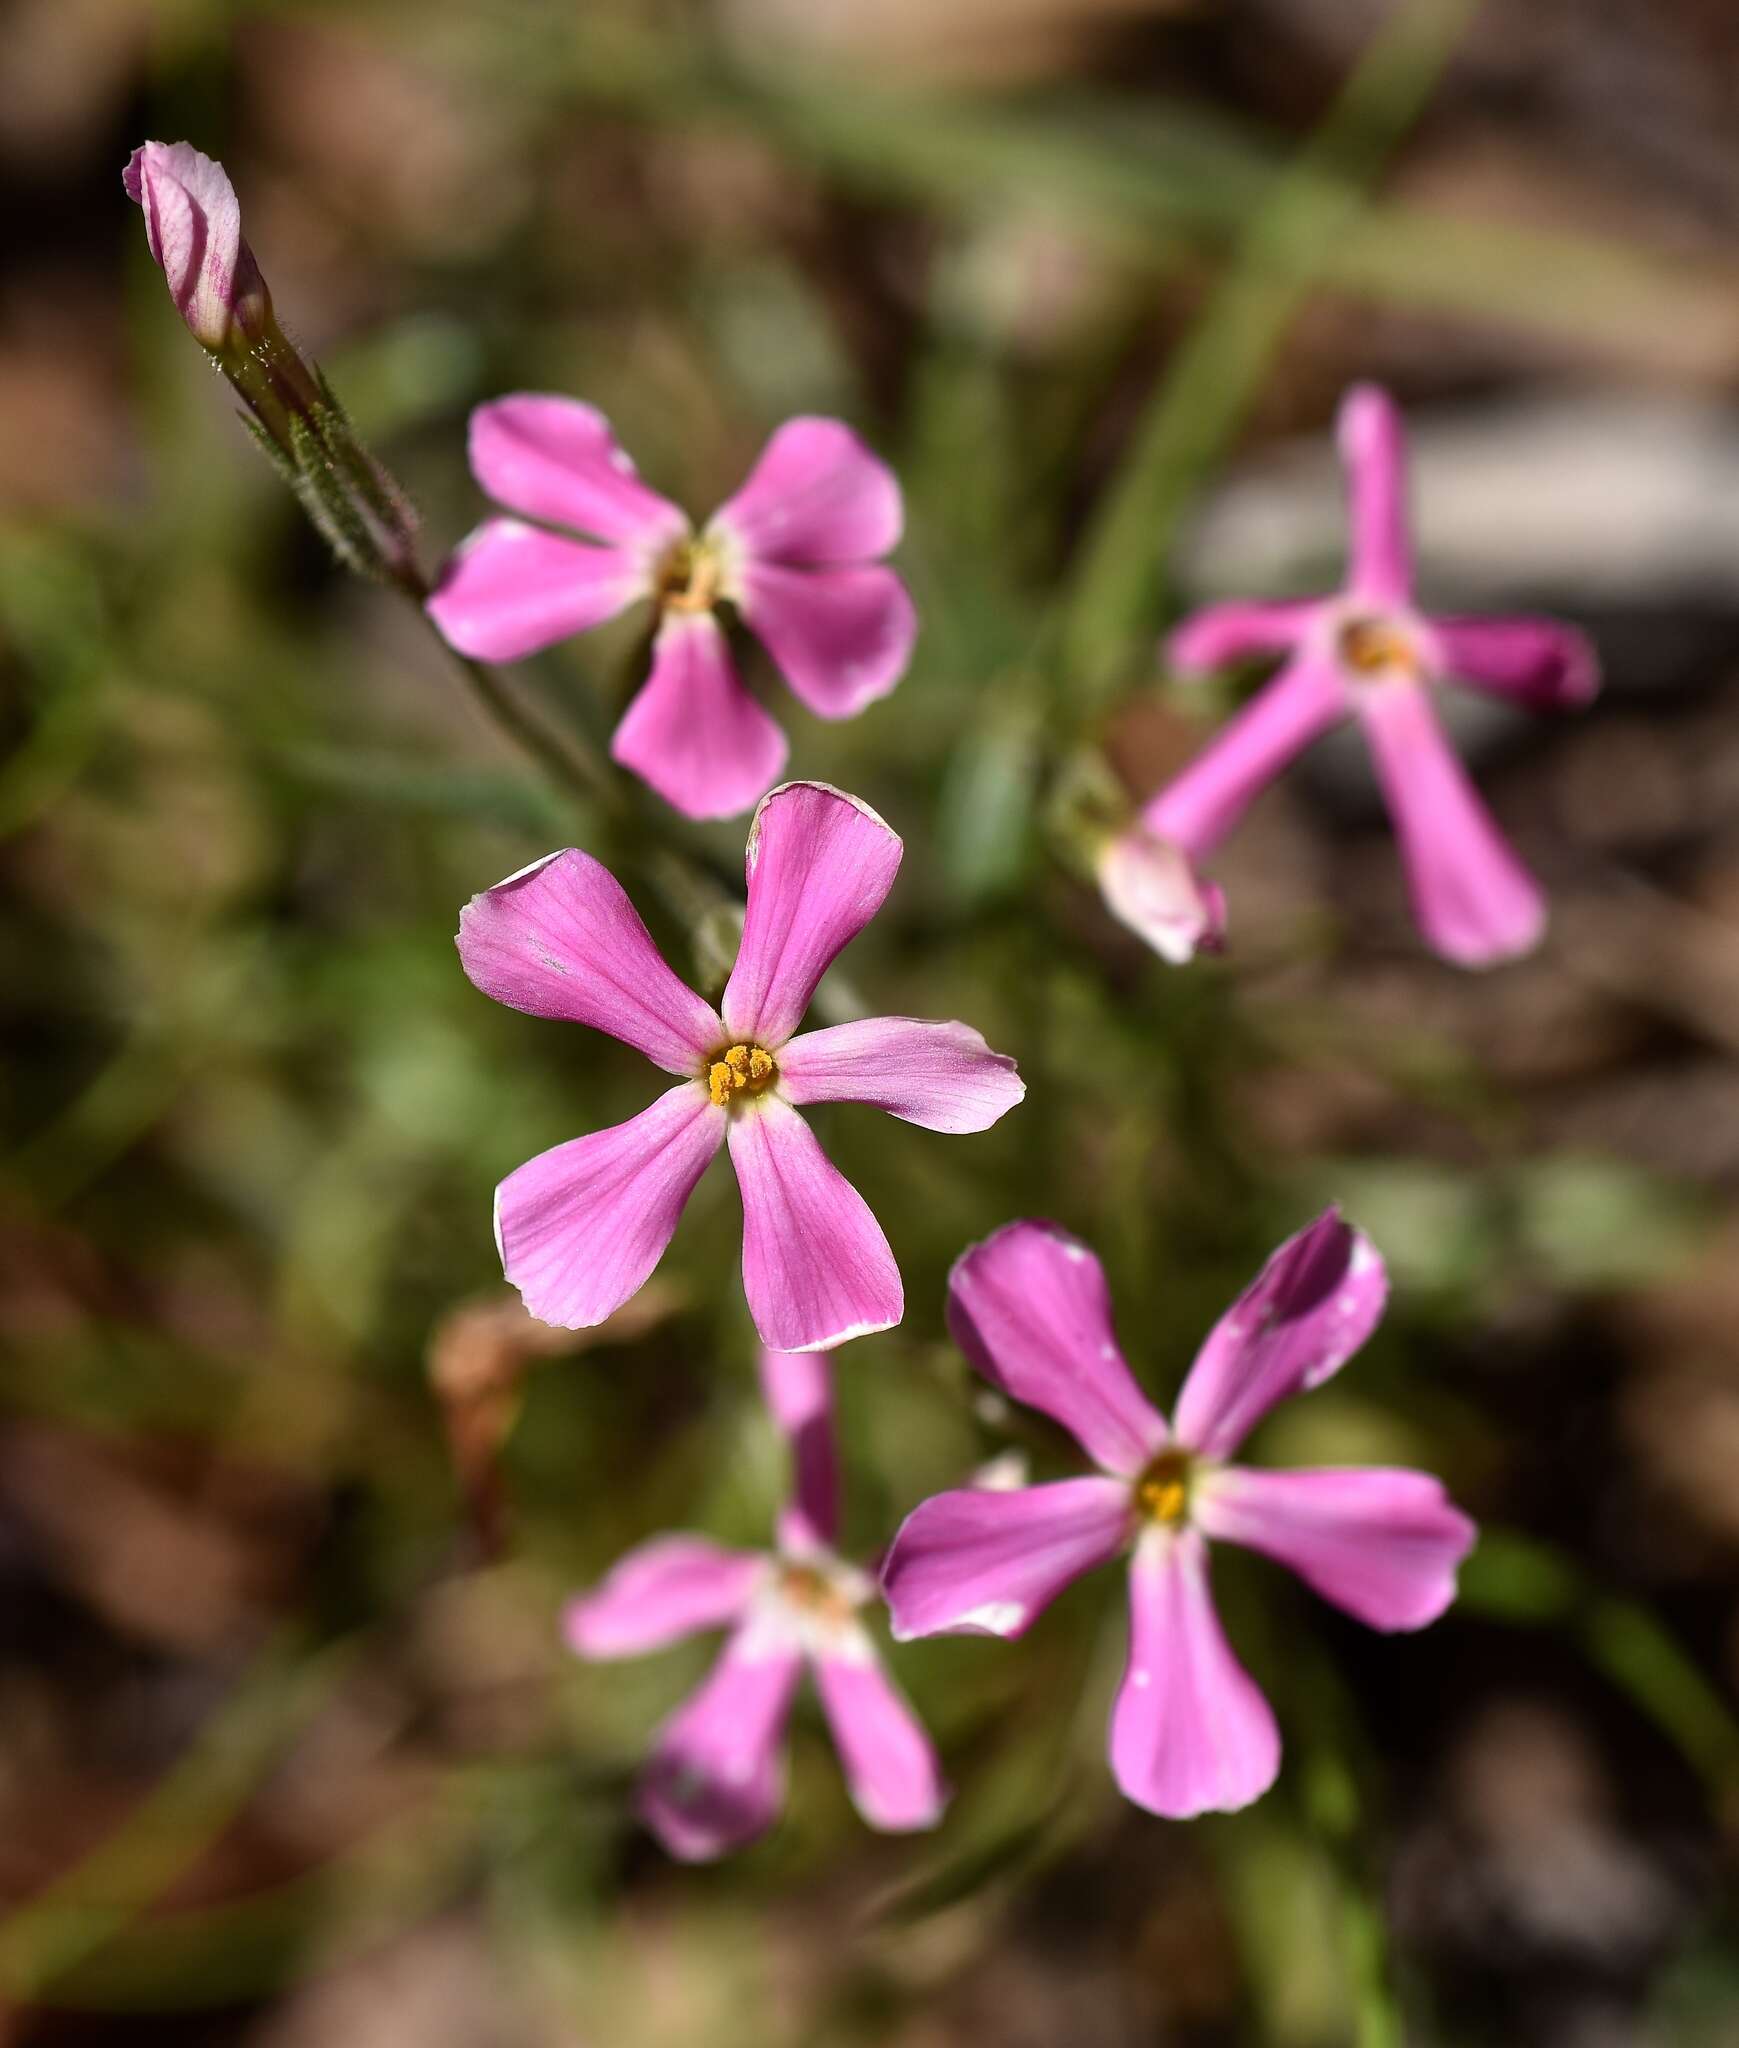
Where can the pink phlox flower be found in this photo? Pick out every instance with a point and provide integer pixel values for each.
(1190, 1731)
(193, 223)
(581, 1227)
(716, 1775)
(796, 553)
(1369, 653)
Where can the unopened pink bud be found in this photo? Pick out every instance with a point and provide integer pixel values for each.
(194, 225)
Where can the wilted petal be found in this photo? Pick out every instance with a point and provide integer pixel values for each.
(1196, 809)
(1223, 633)
(561, 939)
(942, 1076)
(510, 589)
(1191, 1732)
(816, 494)
(819, 865)
(1384, 1544)
(556, 459)
(1537, 662)
(665, 1590)
(841, 637)
(1374, 452)
(1030, 1308)
(890, 1764)
(193, 225)
(716, 1776)
(798, 1387)
(1474, 901)
(976, 1562)
(695, 733)
(1298, 1322)
(816, 1268)
(1152, 886)
(581, 1227)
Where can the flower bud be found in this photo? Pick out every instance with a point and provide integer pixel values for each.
(1152, 886)
(193, 223)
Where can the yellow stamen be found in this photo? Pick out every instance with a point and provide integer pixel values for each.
(814, 1592)
(1163, 1490)
(689, 577)
(1371, 647)
(739, 1070)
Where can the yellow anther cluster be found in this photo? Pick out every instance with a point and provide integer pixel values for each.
(1371, 647)
(740, 1070)
(814, 1592)
(1163, 1490)
(689, 577)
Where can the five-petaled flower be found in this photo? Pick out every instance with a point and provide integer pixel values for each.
(1368, 652)
(794, 552)
(1190, 1732)
(715, 1778)
(582, 1226)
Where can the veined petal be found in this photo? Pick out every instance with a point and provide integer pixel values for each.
(669, 1588)
(816, 1268)
(1536, 662)
(819, 866)
(716, 1776)
(942, 1076)
(1384, 1544)
(815, 494)
(1474, 901)
(581, 1227)
(798, 1388)
(556, 459)
(695, 733)
(193, 227)
(1298, 1322)
(1152, 886)
(841, 637)
(977, 1562)
(561, 939)
(1031, 1310)
(1222, 633)
(1191, 1732)
(1373, 451)
(1196, 809)
(890, 1764)
(510, 589)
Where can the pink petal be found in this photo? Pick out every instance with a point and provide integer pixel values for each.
(193, 225)
(561, 939)
(509, 590)
(1374, 452)
(942, 1076)
(977, 1562)
(819, 865)
(1191, 1732)
(1196, 809)
(1298, 1322)
(1473, 900)
(716, 1776)
(581, 1227)
(1222, 633)
(816, 1268)
(841, 637)
(1383, 1544)
(1538, 662)
(890, 1764)
(556, 459)
(665, 1590)
(816, 494)
(1152, 886)
(798, 1388)
(1030, 1308)
(694, 733)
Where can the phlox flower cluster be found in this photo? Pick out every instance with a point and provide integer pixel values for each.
(796, 557)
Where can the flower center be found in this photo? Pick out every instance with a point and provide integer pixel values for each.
(689, 577)
(1377, 646)
(1162, 1493)
(814, 1592)
(740, 1071)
